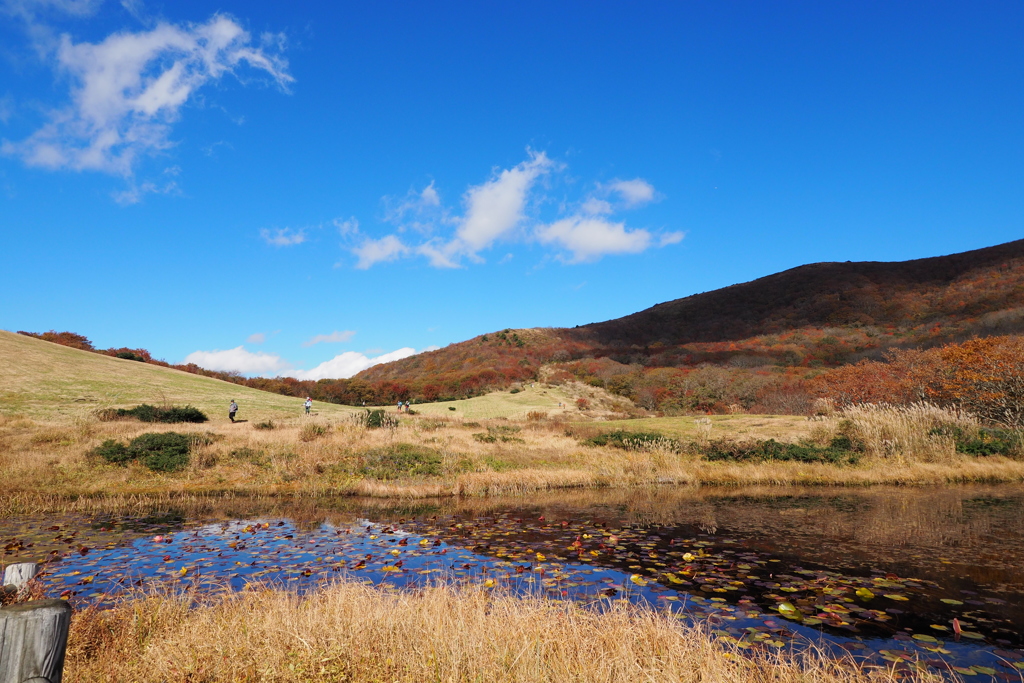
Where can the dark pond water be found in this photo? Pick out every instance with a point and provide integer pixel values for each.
(925, 578)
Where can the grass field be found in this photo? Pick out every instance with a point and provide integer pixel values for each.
(503, 404)
(45, 381)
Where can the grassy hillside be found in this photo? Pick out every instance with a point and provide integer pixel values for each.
(48, 381)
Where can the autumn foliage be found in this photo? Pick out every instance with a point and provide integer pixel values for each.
(982, 376)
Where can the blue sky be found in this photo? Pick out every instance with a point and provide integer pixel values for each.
(303, 188)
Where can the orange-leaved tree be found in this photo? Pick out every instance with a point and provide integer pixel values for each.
(984, 376)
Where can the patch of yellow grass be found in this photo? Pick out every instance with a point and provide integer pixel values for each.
(736, 426)
(355, 633)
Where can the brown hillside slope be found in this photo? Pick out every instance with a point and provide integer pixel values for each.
(869, 305)
(941, 289)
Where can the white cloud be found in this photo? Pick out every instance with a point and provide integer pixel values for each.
(496, 207)
(128, 90)
(429, 196)
(502, 209)
(135, 192)
(347, 227)
(668, 238)
(596, 207)
(589, 238)
(332, 338)
(348, 364)
(238, 360)
(633, 192)
(283, 237)
(375, 251)
(29, 10)
(257, 338)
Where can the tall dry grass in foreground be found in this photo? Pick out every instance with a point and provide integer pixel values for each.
(356, 633)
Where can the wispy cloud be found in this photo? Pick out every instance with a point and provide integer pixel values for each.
(634, 192)
(588, 238)
(240, 360)
(332, 338)
(135, 192)
(128, 90)
(504, 209)
(372, 251)
(246, 362)
(283, 237)
(349, 363)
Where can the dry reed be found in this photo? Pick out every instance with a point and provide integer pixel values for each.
(353, 633)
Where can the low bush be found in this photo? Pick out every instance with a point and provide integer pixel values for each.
(269, 424)
(984, 442)
(400, 461)
(251, 455)
(375, 419)
(311, 431)
(113, 452)
(148, 413)
(160, 452)
(502, 433)
(633, 440)
(841, 451)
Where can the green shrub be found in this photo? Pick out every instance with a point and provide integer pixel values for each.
(113, 452)
(514, 390)
(841, 451)
(401, 460)
(160, 452)
(269, 424)
(986, 442)
(632, 440)
(148, 413)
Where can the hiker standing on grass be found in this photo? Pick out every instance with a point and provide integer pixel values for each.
(232, 409)
(308, 404)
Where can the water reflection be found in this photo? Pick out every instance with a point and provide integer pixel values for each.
(927, 574)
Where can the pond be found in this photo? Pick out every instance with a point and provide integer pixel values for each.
(928, 578)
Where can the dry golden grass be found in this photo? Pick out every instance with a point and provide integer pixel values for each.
(42, 463)
(907, 431)
(48, 427)
(354, 633)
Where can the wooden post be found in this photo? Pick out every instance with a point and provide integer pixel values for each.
(18, 575)
(33, 638)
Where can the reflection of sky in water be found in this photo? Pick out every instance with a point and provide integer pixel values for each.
(732, 574)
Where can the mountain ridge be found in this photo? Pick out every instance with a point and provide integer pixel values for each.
(920, 302)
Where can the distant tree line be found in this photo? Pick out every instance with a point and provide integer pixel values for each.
(442, 387)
